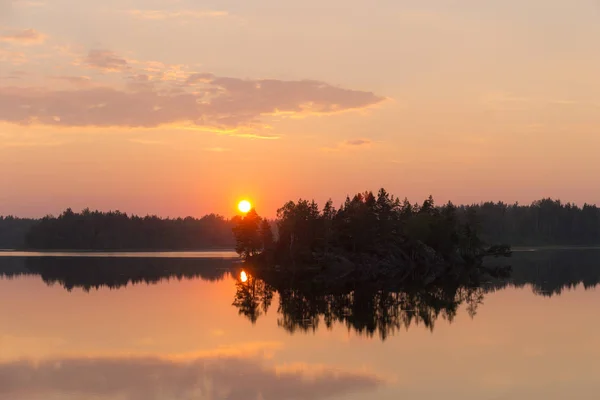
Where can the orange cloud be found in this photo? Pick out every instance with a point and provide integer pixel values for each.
(25, 37)
(165, 14)
(12, 57)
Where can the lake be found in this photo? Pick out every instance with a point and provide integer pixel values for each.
(196, 327)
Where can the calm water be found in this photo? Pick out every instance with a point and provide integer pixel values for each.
(192, 328)
(125, 254)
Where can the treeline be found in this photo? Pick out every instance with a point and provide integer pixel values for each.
(13, 231)
(95, 230)
(544, 222)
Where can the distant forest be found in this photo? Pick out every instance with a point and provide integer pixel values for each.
(95, 230)
(544, 222)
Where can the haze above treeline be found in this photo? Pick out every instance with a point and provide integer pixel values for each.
(543, 222)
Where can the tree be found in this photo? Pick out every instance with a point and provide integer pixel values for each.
(247, 234)
(266, 235)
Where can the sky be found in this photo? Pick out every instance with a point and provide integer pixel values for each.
(181, 107)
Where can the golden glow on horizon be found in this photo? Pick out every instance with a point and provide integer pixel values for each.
(244, 206)
(243, 276)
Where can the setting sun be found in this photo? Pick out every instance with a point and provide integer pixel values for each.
(244, 206)
(243, 276)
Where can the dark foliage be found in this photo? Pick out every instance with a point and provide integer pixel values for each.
(368, 238)
(95, 230)
(13, 231)
(544, 222)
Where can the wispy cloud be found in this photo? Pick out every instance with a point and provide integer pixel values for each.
(24, 37)
(80, 81)
(105, 60)
(217, 149)
(168, 14)
(227, 105)
(348, 144)
(146, 141)
(358, 142)
(12, 57)
(30, 3)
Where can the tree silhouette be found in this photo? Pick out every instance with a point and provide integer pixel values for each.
(248, 235)
(95, 230)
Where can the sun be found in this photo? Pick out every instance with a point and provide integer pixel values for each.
(244, 206)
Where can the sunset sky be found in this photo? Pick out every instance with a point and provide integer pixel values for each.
(183, 107)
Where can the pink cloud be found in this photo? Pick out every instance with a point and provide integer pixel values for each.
(358, 142)
(12, 57)
(26, 37)
(106, 60)
(74, 80)
(206, 101)
(165, 14)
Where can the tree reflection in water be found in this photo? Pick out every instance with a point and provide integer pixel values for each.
(93, 273)
(252, 297)
(366, 310)
(383, 309)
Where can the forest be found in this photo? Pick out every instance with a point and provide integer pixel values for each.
(545, 222)
(370, 238)
(542, 223)
(95, 230)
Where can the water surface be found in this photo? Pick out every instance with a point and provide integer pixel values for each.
(123, 254)
(191, 328)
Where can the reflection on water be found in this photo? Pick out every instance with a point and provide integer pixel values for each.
(366, 310)
(124, 254)
(206, 329)
(551, 272)
(214, 376)
(114, 273)
(371, 310)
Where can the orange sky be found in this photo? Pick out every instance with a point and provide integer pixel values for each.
(182, 108)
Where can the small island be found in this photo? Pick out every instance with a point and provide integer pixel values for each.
(371, 239)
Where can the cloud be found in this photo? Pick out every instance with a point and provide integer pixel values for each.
(218, 103)
(199, 78)
(13, 57)
(206, 377)
(348, 144)
(105, 60)
(217, 149)
(166, 14)
(29, 3)
(25, 37)
(357, 142)
(74, 80)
